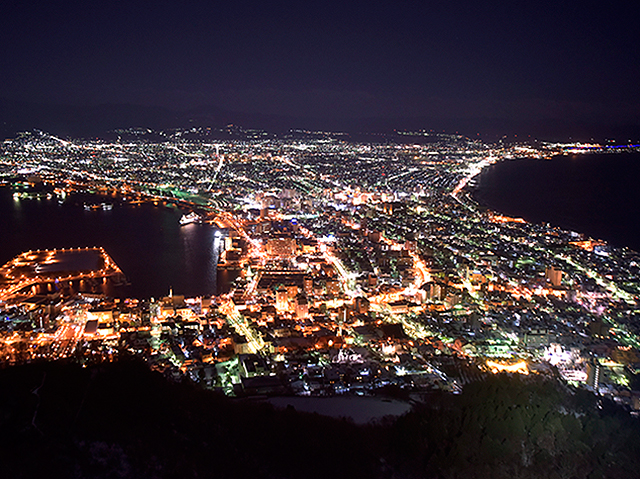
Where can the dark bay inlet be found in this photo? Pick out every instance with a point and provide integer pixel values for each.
(146, 241)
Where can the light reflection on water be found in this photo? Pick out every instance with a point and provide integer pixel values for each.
(146, 241)
(201, 250)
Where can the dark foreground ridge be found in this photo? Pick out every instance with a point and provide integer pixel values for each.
(122, 420)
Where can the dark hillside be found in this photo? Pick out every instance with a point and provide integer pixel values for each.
(122, 420)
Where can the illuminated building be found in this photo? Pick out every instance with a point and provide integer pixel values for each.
(102, 316)
(308, 285)
(500, 367)
(362, 305)
(281, 247)
(553, 276)
(593, 374)
(536, 338)
(282, 299)
(333, 287)
(301, 306)
(435, 291)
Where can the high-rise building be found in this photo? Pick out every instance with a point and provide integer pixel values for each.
(302, 306)
(553, 276)
(593, 374)
(282, 298)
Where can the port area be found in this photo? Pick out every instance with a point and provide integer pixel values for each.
(23, 275)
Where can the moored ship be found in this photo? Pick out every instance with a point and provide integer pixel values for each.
(192, 217)
(98, 206)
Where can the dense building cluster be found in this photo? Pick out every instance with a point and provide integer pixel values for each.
(359, 266)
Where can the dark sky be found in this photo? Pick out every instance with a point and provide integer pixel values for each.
(473, 61)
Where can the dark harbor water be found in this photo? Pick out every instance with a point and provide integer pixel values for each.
(598, 195)
(146, 241)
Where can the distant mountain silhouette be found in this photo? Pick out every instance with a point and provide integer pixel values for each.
(98, 120)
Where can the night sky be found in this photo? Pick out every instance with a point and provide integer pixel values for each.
(478, 66)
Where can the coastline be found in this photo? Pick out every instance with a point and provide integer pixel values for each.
(145, 239)
(578, 193)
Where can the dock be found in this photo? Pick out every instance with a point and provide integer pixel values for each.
(30, 269)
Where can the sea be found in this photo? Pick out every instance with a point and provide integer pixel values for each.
(597, 195)
(146, 241)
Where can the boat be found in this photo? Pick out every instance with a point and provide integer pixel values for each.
(192, 217)
(98, 206)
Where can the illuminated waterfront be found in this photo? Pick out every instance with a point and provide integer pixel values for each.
(146, 241)
(592, 194)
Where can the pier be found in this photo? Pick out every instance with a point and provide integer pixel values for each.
(57, 266)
